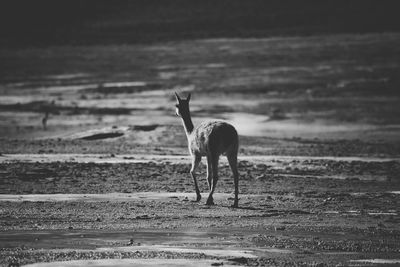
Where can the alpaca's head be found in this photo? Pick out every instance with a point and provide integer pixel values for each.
(182, 106)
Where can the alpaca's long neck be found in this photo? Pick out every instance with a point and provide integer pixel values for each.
(187, 124)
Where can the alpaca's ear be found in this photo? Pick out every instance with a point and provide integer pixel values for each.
(188, 97)
(177, 97)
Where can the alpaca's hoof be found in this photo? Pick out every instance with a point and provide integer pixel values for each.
(198, 198)
(210, 202)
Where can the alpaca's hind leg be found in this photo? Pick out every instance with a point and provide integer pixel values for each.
(214, 167)
(232, 159)
(209, 172)
(195, 163)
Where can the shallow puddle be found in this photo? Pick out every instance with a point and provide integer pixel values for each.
(144, 239)
(189, 242)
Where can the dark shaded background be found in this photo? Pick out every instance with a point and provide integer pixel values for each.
(50, 22)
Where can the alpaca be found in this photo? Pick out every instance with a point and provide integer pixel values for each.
(210, 139)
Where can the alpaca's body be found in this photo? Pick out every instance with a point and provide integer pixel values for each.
(216, 137)
(210, 139)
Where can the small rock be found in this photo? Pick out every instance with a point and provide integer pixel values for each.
(260, 177)
(280, 228)
(261, 166)
(241, 260)
(381, 225)
(145, 216)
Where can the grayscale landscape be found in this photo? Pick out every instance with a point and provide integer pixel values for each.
(103, 179)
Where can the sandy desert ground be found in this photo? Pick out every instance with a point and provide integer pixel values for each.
(107, 182)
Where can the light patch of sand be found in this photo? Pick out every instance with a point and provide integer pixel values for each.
(68, 76)
(124, 84)
(249, 124)
(379, 213)
(107, 197)
(140, 158)
(131, 262)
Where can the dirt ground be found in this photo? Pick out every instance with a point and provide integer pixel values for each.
(107, 182)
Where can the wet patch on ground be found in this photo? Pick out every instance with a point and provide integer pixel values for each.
(102, 136)
(145, 128)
